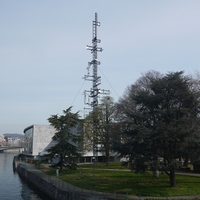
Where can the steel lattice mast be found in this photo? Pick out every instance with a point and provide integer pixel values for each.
(94, 77)
(94, 92)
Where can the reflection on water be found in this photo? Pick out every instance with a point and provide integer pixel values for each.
(30, 192)
(14, 187)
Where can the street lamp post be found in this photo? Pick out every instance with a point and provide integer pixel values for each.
(93, 160)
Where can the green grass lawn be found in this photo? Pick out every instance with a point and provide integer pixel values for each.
(104, 179)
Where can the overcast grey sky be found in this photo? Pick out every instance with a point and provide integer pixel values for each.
(43, 54)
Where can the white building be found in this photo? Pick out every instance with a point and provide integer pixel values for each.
(2, 140)
(38, 138)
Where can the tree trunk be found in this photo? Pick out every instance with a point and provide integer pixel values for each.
(185, 164)
(107, 152)
(156, 173)
(172, 177)
(61, 164)
(131, 163)
(107, 143)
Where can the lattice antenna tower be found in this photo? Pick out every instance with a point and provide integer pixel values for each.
(91, 96)
(94, 92)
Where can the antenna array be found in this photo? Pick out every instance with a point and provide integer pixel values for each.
(94, 93)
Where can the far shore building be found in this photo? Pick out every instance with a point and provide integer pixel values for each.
(2, 140)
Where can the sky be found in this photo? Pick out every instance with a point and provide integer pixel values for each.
(43, 56)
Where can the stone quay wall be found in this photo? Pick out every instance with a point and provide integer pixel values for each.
(58, 189)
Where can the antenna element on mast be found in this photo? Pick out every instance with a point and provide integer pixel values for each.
(94, 92)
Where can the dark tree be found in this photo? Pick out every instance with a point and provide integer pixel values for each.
(66, 137)
(162, 121)
(132, 144)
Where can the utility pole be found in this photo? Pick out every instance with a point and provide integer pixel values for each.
(94, 92)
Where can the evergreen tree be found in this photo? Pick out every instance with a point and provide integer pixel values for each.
(162, 122)
(66, 137)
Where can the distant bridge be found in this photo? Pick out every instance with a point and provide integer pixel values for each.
(10, 149)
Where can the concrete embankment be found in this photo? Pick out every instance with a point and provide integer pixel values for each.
(58, 189)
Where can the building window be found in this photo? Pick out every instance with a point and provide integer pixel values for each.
(29, 140)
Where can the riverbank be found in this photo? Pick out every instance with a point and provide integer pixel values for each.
(59, 190)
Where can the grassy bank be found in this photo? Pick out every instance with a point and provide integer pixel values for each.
(117, 179)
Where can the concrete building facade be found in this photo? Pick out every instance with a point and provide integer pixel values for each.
(38, 138)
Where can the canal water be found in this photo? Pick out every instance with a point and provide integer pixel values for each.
(13, 187)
